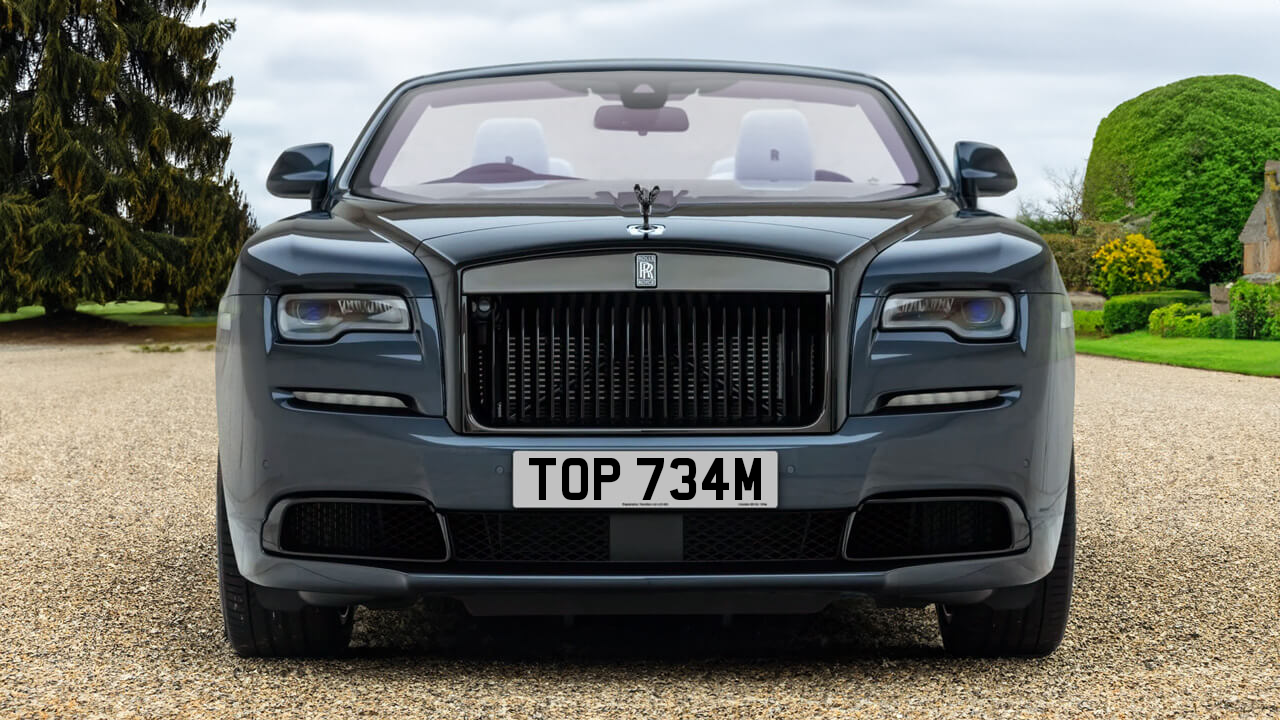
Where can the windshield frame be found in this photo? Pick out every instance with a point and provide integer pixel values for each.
(935, 176)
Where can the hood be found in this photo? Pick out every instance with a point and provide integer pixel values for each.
(461, 236)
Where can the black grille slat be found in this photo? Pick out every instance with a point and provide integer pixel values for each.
(408, 531)
(647, 360)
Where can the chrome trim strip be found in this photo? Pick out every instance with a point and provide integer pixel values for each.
(1020, 528)
(272, 526)
(615, 272)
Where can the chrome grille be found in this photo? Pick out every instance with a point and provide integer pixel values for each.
(646, 360)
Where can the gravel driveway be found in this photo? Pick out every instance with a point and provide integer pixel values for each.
(108, 599)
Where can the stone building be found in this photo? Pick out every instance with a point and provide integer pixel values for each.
(1261, 234)
(1260, 239)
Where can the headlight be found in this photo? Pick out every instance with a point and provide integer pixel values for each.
(970, 314)
(324, 316)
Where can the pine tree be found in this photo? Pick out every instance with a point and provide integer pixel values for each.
(112, 163)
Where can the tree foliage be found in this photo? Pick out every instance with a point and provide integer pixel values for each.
(112, 163)
(1189, 156)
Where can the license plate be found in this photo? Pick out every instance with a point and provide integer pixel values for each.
(624, 479)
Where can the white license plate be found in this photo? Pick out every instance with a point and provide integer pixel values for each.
(625, 479)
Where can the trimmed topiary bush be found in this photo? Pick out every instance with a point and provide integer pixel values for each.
(1178, 320)
(1165, 321)
(1189, 156)
(1126, 313)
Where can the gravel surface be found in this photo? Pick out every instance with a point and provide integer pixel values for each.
(108, 598)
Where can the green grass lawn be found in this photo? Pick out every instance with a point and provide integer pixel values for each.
(135, 312)
(1250, 357)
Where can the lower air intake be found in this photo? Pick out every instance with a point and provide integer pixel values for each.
(905, 528)
(707, 537)
(395, 530)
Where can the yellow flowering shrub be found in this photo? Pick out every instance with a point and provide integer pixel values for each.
(1128, 265)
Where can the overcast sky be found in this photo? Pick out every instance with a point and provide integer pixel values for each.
(1031, 76)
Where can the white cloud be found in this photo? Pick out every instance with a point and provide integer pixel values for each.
(1032, 77)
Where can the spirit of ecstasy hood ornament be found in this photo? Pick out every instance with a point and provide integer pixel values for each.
(646, 198)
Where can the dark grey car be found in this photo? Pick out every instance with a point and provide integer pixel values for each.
(645, 336)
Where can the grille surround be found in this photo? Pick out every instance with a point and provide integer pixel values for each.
(647, 361)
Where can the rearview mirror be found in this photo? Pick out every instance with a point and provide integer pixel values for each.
(982, 171)
(641, 120)
(302, 172)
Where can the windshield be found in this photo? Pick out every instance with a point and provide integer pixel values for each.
(591, 136)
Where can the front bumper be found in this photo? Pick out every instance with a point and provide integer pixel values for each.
(271, 449)
(318, 452)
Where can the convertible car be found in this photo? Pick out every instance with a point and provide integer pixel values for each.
(644, 337)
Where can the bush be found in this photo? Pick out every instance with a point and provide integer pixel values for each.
(1074, 256)
(1271, 330)
(1219, 326)
(1129, 265)
(1088, 322)
(1254, 306)
(1126, 313)
(1178, 320)
(1163, 321)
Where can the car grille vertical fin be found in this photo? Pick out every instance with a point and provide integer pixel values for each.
(723, 388)
(680, 361)
(647, 360)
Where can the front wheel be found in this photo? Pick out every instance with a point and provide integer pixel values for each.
(1033, 631)
(256, 631)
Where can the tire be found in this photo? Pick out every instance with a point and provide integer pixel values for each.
(1032, 631)
(256, 631)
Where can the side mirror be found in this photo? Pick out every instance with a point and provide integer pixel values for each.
(982, 171)
(302, 172)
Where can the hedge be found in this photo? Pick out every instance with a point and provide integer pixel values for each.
(1126, 313)
(1254, 306)
(1088, 322)
(1178, 320)
(1075, 258)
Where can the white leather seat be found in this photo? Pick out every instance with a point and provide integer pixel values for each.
(721, 169)
(514, 141)
(561, 167)
(774, 146)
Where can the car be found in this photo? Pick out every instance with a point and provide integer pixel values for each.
(613, 337)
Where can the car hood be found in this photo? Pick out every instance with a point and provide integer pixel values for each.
(460, 236)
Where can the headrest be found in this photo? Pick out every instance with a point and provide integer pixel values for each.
(515, 141)
(774, 145)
